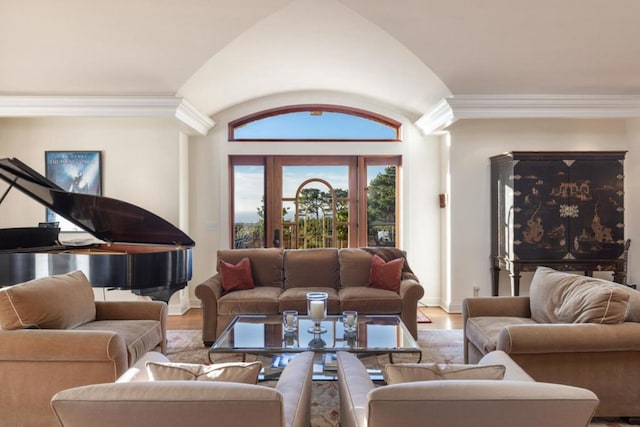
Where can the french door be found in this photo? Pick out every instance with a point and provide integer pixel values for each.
(314, 201)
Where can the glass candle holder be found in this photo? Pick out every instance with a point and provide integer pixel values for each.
(290, 321)
(317, 310)
(350, 321)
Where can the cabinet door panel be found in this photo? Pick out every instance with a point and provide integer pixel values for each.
(597, 228)
(540, 232)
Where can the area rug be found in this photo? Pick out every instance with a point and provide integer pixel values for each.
(438, 345)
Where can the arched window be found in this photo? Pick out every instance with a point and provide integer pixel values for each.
(315, 201)
(314, 122)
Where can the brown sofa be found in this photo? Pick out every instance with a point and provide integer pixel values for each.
(284, 277)
(137, 402)
(54, 336)
(516, 400)
(571, 329)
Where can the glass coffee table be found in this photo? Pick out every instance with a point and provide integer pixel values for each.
(263, 335)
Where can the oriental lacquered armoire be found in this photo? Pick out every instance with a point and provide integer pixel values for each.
(563, 210)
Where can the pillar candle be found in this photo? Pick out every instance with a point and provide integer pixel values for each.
(317, 310)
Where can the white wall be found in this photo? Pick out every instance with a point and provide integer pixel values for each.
(140, 162)
(474, 141)
(420, 183)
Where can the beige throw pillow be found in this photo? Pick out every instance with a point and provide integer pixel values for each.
(238, 372)
(410, 372)
(61, 301)
(558, 297)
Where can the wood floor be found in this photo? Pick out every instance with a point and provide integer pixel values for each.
(440, 319)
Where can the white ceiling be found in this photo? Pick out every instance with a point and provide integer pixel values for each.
(408, 54)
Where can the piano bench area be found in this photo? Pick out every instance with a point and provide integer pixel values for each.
(54, 336)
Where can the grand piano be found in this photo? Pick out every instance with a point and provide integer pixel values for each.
(133, 248)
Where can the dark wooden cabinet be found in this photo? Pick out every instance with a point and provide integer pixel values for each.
(563, 210)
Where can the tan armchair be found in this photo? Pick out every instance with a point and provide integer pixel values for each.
(516, 400)
(54, 336)
(572, 329)
(135, 402)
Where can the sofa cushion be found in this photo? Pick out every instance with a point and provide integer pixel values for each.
(385, 275)
(259, 300)
(266, 263)
(355, 267)
(559, 297)
(56, 302)
(140, 336)
(236, 277)
(411, 372)
(296, 299)
(305, 268)
(237, 372)
(370, 300)
(483, 331)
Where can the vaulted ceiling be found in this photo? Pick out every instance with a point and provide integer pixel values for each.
(408, 54)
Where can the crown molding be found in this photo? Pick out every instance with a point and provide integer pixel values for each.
(459, 107)
(107, 106)
(193, 118)
(437, 119)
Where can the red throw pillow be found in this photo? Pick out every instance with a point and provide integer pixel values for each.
(386, 275)
(236, 277)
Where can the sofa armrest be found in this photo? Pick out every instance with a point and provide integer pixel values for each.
(569, 338)
(295, 386)
(354, 385)
(209, 292)
(410, 291)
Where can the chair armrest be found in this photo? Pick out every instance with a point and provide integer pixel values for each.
(354, 385)
(569, 338)
(491, 306)
(484, 402)
(68, 345)
(209, 292)
(495, 306)
(36, 363)
(410, 291)
(295, 386)
(513, 371)
(168, 403)
(135, 310)
(131, 310)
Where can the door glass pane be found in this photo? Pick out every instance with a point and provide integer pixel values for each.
(315, 206)
(381, 205)
(315, 216)
(248, 206)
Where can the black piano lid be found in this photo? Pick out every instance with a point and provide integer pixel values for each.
(110, 220)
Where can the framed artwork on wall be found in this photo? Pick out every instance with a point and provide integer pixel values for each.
(75, 172)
